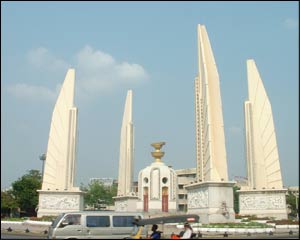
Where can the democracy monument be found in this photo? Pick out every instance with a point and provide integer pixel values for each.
(126, 199)
(264, 195)
(157, 185)
(58, 193)
(210, 194)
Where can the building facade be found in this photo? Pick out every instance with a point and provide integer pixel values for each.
(184, 177)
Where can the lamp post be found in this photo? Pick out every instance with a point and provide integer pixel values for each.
(43, 158)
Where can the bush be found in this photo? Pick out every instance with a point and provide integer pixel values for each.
(284, 222)
(13, 219)
(236, 225)
(44, 218)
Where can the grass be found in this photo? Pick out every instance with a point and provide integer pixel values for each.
(14, 219)
(44, 218)
(236, 225)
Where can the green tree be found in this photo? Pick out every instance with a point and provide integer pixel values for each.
(97, 193)
(291, 200)
(8, 203)
(25, 190)
(236, 205)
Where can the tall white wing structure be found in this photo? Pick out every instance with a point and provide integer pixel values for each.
(59, 168)
(125, 179)
(261, 146)
(210, 139)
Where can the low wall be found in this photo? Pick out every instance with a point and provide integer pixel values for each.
(28, 225)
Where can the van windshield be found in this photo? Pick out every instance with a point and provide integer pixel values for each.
(56, 221)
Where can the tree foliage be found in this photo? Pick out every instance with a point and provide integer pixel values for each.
(25, 189)
(8, 201)
(97, 193)
(291, 200)
(236, 205)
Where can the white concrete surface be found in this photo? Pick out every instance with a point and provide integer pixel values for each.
(210, 138)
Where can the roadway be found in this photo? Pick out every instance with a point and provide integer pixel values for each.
(5, 235)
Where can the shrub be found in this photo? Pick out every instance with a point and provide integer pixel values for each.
(44, 218)
(284, 222)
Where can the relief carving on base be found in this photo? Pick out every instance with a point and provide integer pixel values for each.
(59, 202)
(198, 199)
(262, 202)
(121, 205)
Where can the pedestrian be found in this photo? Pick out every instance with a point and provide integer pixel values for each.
(188, 231)
(155, 234)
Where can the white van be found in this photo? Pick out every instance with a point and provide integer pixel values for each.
(93, 224)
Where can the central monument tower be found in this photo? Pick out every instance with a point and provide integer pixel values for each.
(157, 185)
(211, 196)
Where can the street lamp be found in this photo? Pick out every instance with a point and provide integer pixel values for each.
(43, 158)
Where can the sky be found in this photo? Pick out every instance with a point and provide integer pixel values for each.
(151, 48)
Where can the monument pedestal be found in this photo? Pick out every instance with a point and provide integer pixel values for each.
(212, 201)
(56, 202)
(155, 207)
(263, 203)
(125, 203)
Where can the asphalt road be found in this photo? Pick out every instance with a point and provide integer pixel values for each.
(20, 236)
(275, 236)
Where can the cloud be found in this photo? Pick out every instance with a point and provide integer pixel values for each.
(31, 92)
(98, 71)
(291, 23)
(42, 59)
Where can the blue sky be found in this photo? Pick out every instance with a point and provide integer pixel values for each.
(151, 48)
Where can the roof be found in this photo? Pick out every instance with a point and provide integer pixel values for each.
(169, 219)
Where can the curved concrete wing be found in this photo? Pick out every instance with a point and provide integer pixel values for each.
(261, 146)
(210, 138)
(61, 152)
(125, 179)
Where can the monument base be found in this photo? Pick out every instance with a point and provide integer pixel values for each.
(212, 201)
(125, 203)
(263, 203)
(52, 203)
(155, 207)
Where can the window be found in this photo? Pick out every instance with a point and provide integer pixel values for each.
(180, 186)
(73, 219)
(165, 180)
(123, 221)
(97, 221)
(56, 221)
(182, 196)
